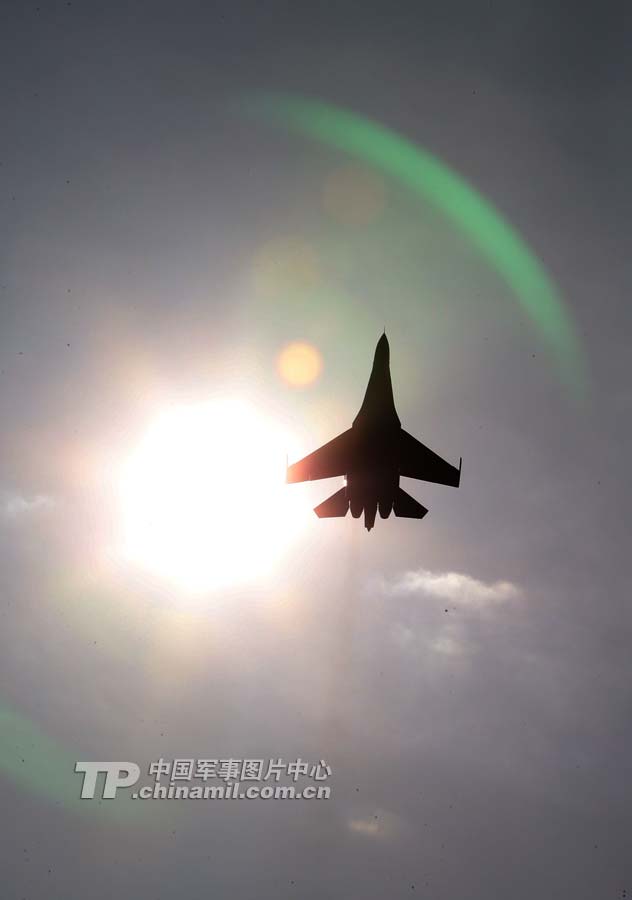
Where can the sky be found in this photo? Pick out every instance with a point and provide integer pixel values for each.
(209, 213)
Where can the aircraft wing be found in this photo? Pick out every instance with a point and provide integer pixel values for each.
(418, 461)
(331, 459)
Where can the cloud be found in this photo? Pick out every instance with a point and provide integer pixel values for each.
(446, 639)
(452, 636)
(369, 827)
(15, 506)
(381, 824)
(455, 587)
(448, 645)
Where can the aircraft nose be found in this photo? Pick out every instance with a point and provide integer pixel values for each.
(382, 352)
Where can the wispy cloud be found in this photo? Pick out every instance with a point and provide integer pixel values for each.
(381, 824)
(369, 827)
(14, 506)
(468, 602)
(455, 587)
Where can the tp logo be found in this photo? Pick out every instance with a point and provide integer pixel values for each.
(117, 775)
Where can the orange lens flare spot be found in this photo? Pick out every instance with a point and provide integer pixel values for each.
(299, 364)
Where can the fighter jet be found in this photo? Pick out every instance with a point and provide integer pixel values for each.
(372, 455)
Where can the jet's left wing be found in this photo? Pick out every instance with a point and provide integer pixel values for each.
(418, 461)
(333, 458)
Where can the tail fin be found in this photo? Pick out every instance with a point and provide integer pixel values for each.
(407, 507)
(336, 505)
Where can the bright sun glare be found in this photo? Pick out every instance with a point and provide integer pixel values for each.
(203, 496)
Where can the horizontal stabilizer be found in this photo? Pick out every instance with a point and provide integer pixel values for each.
(407, 507)
(336, 505)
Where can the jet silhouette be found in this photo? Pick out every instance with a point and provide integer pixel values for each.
(372, 455)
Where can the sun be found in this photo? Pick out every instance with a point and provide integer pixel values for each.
(203, 499)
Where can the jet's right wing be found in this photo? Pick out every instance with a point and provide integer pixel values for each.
(333, 458)
(418, 461)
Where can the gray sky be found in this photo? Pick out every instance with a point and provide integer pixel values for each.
(467, 678)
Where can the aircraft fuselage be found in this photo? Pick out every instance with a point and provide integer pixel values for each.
(377, 428)
(373, 484)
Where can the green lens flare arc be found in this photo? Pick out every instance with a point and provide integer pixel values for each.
(42, 766)
(498, 243)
